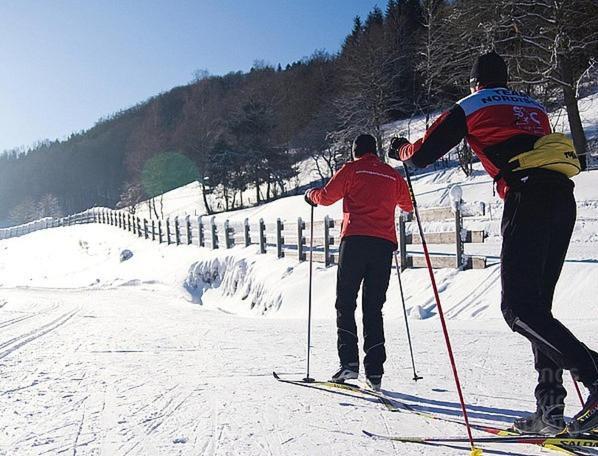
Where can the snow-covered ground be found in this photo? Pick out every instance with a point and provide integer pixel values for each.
(169, 352)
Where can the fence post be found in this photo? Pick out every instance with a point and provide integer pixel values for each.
(200, 232)
(262, 236)
(458, 239)
(227, 239)
(138, 223)
(160, 234)
(153, 230)
(213, 233)
(300, 243)
(246, 232)
(402, 242)
(279, 238)
(327, 258)
(177, 230)
(188, 228)
(167, 230)
(145, 233)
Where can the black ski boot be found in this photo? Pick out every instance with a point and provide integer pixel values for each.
(544, 421)
(374, 382)
(587, 419)
(345, 373)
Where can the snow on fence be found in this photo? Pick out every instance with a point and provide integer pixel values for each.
(285, 238)
(45, 223)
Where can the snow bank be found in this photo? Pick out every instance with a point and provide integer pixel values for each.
(244, 282)
(236, 279)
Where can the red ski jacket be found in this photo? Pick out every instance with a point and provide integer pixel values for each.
(498, 124)
(371, 190)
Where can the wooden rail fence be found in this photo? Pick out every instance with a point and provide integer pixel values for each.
(285, 238)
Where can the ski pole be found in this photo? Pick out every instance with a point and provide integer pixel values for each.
(474, 450)
(307, 378)
(415, 376)
(578, 390)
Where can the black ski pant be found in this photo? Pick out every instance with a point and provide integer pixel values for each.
(362, 259)
(537, 224)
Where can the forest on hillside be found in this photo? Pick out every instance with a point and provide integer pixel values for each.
(248, 131)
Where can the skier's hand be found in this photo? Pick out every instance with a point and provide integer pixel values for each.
(308, 199)
(395, 147)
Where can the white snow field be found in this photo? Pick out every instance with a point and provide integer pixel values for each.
(171, 352)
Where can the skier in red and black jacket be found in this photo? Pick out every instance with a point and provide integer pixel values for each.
(371, 190)
(510, 133)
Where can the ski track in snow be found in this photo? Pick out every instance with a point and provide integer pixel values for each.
(135, 372)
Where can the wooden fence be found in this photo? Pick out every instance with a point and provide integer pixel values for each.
(284, 238)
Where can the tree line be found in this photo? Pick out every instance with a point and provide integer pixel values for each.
(244, 134)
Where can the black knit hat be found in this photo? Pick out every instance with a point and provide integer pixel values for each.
(489, 68)
(364, 144)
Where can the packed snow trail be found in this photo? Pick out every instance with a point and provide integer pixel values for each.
(134, 371)
(102, 357)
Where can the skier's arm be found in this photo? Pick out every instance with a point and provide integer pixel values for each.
(404, 197)
(333, 190)
(444, 134)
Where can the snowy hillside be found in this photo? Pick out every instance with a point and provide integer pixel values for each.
(431, 187)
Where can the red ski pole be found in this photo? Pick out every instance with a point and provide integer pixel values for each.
(474, 451)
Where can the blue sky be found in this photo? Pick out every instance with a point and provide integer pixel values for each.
(66, 63)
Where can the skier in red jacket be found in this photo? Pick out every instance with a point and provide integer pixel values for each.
(371, 191)
(510, 133)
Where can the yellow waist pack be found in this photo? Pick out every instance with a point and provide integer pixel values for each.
(554, 152)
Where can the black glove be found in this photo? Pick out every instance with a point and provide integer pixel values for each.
(307, 199)
(395, 147)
